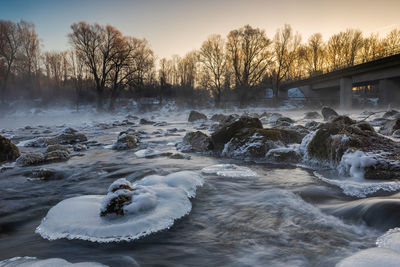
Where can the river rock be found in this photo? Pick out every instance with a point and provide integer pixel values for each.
(312, 115)
(328, 112)
(144, 121)
(196, 141)
(125, 141)
(255, 142)
(343, 134)
(67, 136)
(390, 127)
(31, 158)
(195, 116)
(8, 151)
(225, 133)
(391, 114)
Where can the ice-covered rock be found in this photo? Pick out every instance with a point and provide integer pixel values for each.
(284, 155)
(30, 158)
(8, 151)
(344, 135)
(156, 202)
(229, 170)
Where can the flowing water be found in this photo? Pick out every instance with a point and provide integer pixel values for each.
(284, 216)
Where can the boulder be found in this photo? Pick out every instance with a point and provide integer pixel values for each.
(44, 174)
(390, 127)
(255, 143)
(196, 141)
(225, 133)
(219, 117)
(179, 156)
(56, 155)
(312, 115)
(328, 112)
(67, 136)
(343, 134)
(31, 158)
(195, 116)
(146, 122)
(125, 141)
(8, 151)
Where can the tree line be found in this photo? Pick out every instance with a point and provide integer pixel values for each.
(104, 66)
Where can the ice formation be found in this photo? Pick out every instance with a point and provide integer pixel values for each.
(229, 170)
(157, 202)
(354, 162)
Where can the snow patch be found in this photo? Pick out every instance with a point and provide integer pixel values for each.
(354, 162)
(372, 257)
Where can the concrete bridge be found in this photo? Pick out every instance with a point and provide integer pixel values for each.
(338, 84)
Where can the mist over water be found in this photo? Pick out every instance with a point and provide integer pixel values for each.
(280, 215)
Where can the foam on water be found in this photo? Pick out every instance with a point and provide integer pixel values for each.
(34, 262)
(158, 202)
(359, 187)
(229, 170)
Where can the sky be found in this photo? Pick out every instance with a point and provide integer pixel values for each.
(179, 26)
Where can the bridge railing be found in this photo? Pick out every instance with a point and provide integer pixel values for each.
(358, 60)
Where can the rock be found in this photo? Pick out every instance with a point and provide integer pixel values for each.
(80, 147)
(56, 155)
(30, 158)
(119, 194)
(179, 156)
(52, 148)
(225, 133)
(160, 124)
(255, 143)
(343, 134)
(283, 121)
(8, 151)
(391, 114)
(195, 116)
(312, 115)
(390, 127)
(44, 174)
(312, 125)
(218, 117)
(146, 122)
(196, 141)
(328, 112)
(37, 142)
(67, 136)
(125, 141)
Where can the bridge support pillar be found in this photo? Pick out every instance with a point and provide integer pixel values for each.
(389, 92)
(346, 92)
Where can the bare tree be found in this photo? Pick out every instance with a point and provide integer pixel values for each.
(249, 56)
(213, 59)
(97, 45)
(314, 53)
(286, 45)
(392, 41)
(10, 43)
